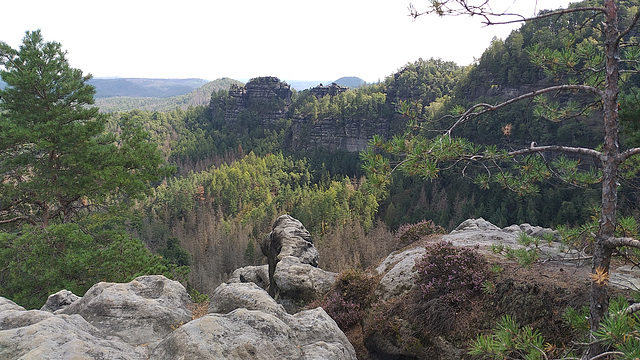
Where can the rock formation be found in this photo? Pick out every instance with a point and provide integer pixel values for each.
(149, 318)
(534, 296)
(140, 312)
(294, 276)
(351, 135)
(321, 91)
(252, 325)
(267, 95)
(59, 301)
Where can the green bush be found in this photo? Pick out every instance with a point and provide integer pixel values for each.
(37, 262)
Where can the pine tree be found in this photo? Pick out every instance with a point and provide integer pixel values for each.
(55, 157)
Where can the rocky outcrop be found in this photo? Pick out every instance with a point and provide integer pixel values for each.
(351, 135)
(142, 311)
(111, 321)
(535, 295)
(258, 275)
(294, 276)
(39, 334)
(321, 91)
(397, 272)
(149, 317)
(269, 96)
(59, 301)
(254, 326)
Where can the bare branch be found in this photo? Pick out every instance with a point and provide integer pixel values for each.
(628, 153)
(623, 241)
(634, 22)
(484, 10)
(632, 308)
(17, 218)
(558, 148)
(546, 15)
(605, 355)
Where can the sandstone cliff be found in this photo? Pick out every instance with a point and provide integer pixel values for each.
(351, 135)
(267, 95)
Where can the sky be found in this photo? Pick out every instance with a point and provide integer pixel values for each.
(242, 39)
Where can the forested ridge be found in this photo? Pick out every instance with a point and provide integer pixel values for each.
(230, 180)
(329, 191)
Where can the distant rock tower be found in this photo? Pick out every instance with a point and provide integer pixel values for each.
(267, 95)
(334, 89)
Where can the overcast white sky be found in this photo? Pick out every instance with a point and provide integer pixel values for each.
(241, 39)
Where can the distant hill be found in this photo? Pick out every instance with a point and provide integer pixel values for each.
(2, 84)
(199, 96)
(139, 87)
(303, 84)
(350, 81)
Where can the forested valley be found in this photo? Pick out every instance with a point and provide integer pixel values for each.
(224, 182)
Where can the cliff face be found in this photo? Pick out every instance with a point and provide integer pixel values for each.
(268, 96)
(351, 135)
(269, 99)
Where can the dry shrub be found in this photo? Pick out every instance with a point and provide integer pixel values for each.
(353, 293)
(349, 246)
(410, 233)
(433, 317)
(198, 310)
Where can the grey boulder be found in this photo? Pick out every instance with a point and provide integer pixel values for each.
(141, 311)
(246, 323)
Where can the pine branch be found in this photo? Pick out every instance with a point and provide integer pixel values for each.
(483, 108)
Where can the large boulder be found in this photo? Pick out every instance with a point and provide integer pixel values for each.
(36, 334)
(228, 297)
(6, 304)
(258, 275)
(397, 272)
(289, 237)
(59, 301)
(139, 312)
(246, 323)
(294, 276)
(302, 281)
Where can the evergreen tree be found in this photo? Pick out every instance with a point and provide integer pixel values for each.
(55, 157)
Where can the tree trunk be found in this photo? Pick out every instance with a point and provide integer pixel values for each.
(610, 160)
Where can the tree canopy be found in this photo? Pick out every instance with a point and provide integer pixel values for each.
(55, 157)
